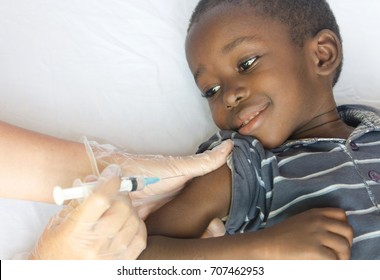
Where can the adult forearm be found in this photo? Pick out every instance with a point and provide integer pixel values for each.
(32, 163)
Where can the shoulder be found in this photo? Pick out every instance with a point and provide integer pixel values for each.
(247, 156)
(249, 190)
(243, 143)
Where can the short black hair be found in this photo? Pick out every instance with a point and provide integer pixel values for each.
(304, 18)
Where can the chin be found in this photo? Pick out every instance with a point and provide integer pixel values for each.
(271, 143)
(269, 146)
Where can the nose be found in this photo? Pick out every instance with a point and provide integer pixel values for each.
(234, 96)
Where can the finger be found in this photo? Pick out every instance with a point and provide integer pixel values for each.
(136, 245)
(344, 230)
(336, 234)
(91, 178)
(125, 238)
(114, 218)
(339, 224)
(201, 164)
(339, 245)
(178, 170)
(322, 253)
(99, 201)
(127, 233)
(67, 210)
(334, 213)
(104, 186)
(111, 229)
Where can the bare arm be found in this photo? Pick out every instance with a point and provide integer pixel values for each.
(174, 229)
(315, 234)
(189, 214)
(32, 163)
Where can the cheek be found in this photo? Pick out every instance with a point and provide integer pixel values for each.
(219, 116)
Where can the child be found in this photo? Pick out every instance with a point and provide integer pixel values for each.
(267, 69)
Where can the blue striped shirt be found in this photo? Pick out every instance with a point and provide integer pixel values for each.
(272, 185)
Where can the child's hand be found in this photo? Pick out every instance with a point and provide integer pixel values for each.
(215, 229)
(315, 234)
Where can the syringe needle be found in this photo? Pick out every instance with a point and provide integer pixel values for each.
(172, 177)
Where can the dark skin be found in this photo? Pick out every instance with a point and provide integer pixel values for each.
(259, 83)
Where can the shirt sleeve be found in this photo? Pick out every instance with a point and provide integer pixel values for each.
(248, 201)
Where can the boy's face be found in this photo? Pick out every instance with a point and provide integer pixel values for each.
(256, 80)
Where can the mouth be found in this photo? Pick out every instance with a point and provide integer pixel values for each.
(249, 119)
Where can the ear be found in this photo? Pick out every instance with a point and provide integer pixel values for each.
(327, 52)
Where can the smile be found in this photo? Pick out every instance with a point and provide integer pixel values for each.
(249, 119)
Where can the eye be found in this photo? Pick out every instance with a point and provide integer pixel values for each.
(211, 92)
(247, 64)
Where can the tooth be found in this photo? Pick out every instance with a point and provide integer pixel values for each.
(251, 118)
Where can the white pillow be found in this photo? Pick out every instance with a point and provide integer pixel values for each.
(116, 71)
(359, 25)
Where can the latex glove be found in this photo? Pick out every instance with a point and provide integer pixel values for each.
(104, 226)
(177, 169)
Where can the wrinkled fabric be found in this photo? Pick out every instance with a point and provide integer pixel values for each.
(270, 186)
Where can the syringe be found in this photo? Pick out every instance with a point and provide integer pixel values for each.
(128, 184)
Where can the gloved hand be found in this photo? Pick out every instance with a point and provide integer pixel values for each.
(177, 170)
(104, 226)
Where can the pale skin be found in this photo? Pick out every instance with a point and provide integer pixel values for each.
(257, 83)
(33, 163)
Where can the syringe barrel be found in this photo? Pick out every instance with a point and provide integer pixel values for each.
(128, 184)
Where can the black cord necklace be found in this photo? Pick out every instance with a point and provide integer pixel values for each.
(318, 125)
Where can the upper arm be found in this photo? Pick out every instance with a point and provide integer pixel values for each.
(189, 214)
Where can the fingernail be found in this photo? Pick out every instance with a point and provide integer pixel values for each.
(90, 178)
(111, 170)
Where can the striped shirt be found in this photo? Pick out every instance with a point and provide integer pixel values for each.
(272, 185)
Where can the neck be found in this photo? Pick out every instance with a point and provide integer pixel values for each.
(325, 125)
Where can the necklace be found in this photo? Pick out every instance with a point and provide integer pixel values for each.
(318, 125)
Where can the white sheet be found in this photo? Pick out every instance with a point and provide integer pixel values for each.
(115, 70)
